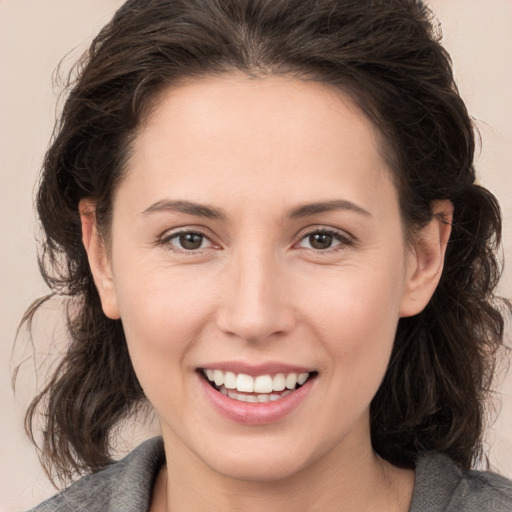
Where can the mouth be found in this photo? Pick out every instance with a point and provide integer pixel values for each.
(255, 389)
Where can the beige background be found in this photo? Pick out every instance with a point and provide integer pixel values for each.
(36, 34)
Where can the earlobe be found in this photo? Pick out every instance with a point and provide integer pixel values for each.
(98, 259)
(426, 260)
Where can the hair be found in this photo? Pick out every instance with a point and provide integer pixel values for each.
(383, 54)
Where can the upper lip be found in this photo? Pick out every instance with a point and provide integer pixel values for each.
(270, 367)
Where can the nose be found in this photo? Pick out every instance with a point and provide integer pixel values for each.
(255, 305)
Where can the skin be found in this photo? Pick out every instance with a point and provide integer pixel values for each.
(257, 291)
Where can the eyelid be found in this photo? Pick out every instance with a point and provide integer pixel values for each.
(342, 236)
(165, 238)
(345, 239)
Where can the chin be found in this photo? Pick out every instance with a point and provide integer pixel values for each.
(263, 468)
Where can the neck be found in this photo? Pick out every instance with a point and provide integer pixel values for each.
(357, 480)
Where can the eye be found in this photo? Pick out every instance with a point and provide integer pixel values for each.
(324, 240)
(186, 241)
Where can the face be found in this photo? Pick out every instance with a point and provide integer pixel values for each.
(257, 244)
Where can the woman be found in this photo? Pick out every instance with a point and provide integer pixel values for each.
(265, 216)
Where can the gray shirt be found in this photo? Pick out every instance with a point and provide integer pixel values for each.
(126, 486)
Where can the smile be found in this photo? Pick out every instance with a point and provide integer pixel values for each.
(260, 388)
(255, 389)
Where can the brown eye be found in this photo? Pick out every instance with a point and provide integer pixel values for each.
(186, 241)
(190, 241)
(325, 241)
(321, 241)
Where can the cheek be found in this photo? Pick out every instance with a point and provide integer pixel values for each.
(160, 311)
(359, 341)
(356, 316)
(359, 304)
(157, 296)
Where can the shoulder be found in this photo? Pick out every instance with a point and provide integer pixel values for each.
(441, 485)
(126, 485)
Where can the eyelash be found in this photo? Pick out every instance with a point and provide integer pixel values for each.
(166, 241)
(344, 240)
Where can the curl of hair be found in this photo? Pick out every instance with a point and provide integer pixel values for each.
(386, 56)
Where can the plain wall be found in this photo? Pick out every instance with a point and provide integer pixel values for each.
(36, 34)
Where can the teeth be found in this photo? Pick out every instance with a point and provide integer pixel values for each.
(279, 382)
(245, 383)
(303, 377)
(218, 377)
(291, 381)
(272, 397)
(262, 385)
(242, 398)
(230, 380)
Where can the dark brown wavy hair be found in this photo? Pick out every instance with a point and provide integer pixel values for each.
(386, 56)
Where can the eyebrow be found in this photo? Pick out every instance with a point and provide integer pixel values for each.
(310, 209)
(210, 212)
(189, 207)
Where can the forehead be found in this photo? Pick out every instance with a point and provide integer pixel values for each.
(255, 137)
(276, 106)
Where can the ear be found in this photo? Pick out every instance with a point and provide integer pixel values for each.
(98, 259)
(425, 260)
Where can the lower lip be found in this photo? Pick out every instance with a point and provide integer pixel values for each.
(249, 413)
